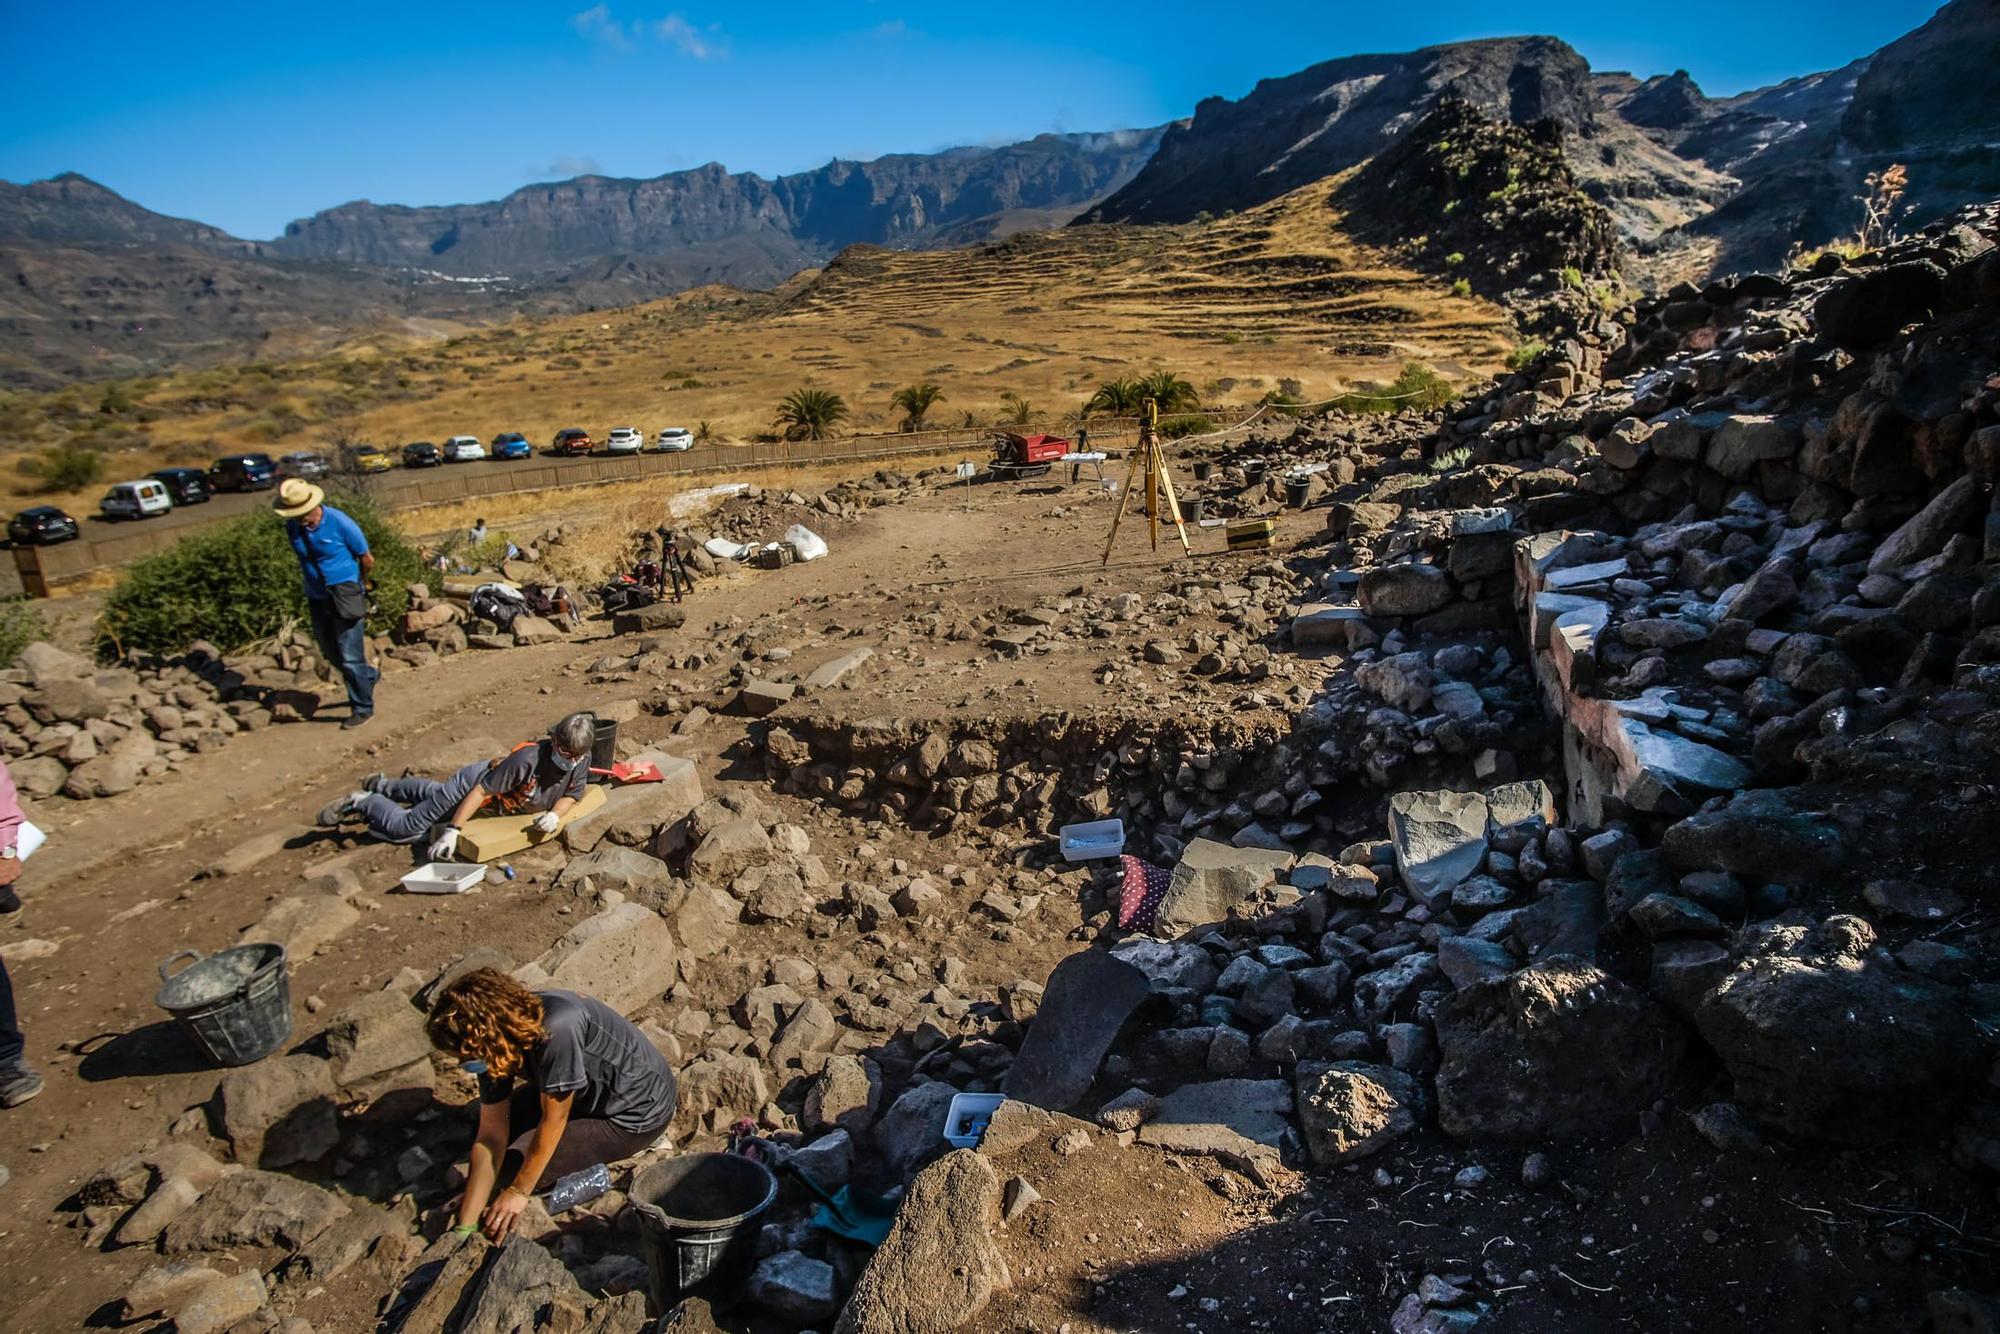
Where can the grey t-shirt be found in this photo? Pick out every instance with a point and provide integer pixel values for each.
(591, 1050)
(554, 780)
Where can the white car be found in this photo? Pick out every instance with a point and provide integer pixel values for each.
(464, 449)
(673, 440)
(623, 440)
(135, 500)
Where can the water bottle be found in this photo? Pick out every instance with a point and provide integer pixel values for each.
(578, 1188)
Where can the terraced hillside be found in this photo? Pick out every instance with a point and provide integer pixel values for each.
(1240, 306)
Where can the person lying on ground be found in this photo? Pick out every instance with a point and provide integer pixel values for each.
(565, 1082)
(546, 776)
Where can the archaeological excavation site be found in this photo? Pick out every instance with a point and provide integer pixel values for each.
(1457, 790)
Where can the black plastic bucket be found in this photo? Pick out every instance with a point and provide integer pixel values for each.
(1191, 509)
(237, 1003)
(698, 1224)
(1296, 491)
(1253, 473)
(603, 743)
(1202, 470)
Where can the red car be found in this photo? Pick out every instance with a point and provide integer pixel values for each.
(571, 441)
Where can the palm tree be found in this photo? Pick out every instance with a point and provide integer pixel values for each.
(1120, 398)
(915, 401)
(705, 433)
(810, 414)
(1018, 412)
(1172, 392)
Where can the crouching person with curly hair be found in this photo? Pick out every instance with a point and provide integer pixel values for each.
(565, 1082)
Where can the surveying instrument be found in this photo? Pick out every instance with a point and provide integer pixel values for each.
(1150, 460)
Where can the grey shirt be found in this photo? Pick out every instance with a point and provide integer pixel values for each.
(591, 1050)
(554, 780)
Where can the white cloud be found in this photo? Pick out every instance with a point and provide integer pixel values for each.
(597, 24)
(601, 26)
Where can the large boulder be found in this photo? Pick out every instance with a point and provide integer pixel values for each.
(633, 813)
(1561, 1050)
(523, 1288)
(1824, 1039)
(939, 1266)
(280, 1110)
(625, 956)
(1349, 1110)
(729, 849)
(254, 1209)
(1211, 878)
(1870, 308)
(631, 872)
(379, 1033)
(1086, 1001)
(1413, 589)
(1239, 1121)
(1759, 836)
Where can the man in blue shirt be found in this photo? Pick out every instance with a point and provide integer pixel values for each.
(335, 562)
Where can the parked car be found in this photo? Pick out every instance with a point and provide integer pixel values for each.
(185, 486)
(41, 526)
(673, 440)
(135, 500)
(464, 449)
(421, 454)
(243, 472)
(368, 458)
(304, 464)
(512, 445)
(623, 440)
(571, 441)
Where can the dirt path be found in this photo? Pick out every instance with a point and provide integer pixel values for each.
(117, 889)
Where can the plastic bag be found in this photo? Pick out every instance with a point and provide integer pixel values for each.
(727, 550)
(805, 542)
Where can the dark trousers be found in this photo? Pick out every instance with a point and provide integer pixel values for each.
(12, 1044)
(344, 645)
(584, 1143)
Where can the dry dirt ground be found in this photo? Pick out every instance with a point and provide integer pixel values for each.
(119, 887)
(1656, 1232)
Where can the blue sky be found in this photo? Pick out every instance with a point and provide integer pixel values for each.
(247, 116)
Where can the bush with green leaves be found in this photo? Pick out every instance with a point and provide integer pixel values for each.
(1526, 354)
(20, 626)
(1417, 388)
(65, 468)
(238, 583)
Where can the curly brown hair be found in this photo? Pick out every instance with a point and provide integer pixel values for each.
(487, 1016)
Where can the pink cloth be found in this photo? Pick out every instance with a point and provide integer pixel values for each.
(1139, 897)
(10, 809)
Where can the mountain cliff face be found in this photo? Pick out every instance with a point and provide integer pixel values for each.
(770, 228)
(1326, 119)
(74, 210)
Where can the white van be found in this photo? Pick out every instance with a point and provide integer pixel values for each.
(136, 500)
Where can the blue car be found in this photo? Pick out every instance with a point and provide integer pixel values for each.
(512, 445)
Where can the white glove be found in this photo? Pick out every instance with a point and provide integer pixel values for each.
(547, 822)
(447, 844)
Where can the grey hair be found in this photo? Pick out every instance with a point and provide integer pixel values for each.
(574, 734)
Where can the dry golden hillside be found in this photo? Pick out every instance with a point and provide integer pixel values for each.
(1239, 305)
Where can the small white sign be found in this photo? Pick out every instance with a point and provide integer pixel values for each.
(966, 472)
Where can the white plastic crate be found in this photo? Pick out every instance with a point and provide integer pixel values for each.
(445, 878)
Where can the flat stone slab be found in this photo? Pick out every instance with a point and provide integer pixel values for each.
(1210, 879)
(1237, 1120)
(1439, 837)
(1323, 623)
(830, 674)
(1086, 1000)
(1581, 576)
(759, 698)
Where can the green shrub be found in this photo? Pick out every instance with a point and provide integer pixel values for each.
(1455, 258)
(1193, 423)
(65, 468)
(20, 626)
(1526, 355)
(1451, 460)
(1572, 277)
(1417, 388)
(238, 583)
(1462, 287)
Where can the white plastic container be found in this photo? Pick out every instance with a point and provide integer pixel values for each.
(1092, 839)
(445, 878)
(965, 1120)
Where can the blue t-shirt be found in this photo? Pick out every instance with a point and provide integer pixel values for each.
(329, 554)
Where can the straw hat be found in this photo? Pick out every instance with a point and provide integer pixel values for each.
(297, 497)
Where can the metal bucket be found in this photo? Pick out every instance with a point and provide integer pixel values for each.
(698, 1224)
(237, 1003)
(603, 743)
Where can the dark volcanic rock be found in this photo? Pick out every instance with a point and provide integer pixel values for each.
(1558, 1051)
